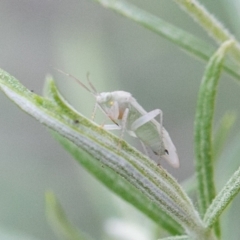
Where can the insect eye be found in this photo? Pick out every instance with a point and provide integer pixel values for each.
(110, 103)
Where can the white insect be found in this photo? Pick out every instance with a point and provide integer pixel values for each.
(128, 115)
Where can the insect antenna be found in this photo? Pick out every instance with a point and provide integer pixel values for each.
(91, 85)
(93, 91)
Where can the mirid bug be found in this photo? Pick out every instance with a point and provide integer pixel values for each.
(128, 115)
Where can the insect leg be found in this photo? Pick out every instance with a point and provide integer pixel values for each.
(124, 122)
(147, 118)
(111, 127)
(123, 125)
(94, 111)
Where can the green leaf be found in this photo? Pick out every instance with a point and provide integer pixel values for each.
(121, 187)
(58, 220)
(159, 188)
(203, 128)
(181, 38)
(222, 200)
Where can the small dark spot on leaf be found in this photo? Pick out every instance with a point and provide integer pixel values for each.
(166, 151)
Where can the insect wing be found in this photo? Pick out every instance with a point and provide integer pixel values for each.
(171, 155)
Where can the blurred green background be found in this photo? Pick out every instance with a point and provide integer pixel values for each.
(80, 37)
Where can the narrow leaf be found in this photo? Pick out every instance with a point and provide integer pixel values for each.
(225, 196)
(121, 187)
(203, 129)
